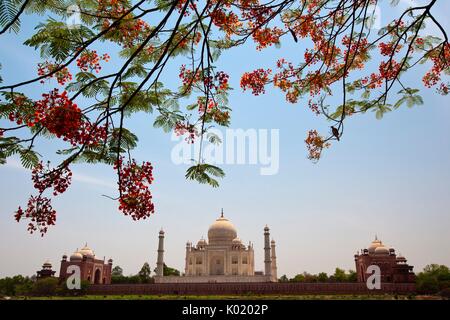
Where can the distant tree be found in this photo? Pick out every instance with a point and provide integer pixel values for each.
(132, 279)
(11, 286)
(339, 275)
(322, 277)
(433, 278)
(298, 278)
(168, 271)
(117, 271)
(45, 287)
(144, 274)
(283, 278)
(352, 276)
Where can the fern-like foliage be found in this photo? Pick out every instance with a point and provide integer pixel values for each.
(8, 12)
(202, 173)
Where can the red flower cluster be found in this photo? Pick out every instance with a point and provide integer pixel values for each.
(135, 197)
(188, 77)
(130, 31)
(60, 116)
(218, 82)
(89, 60)
(314, 107)
(226, 21)
(441, 63)
(39, 210)
(255, 80)
(64, 119)
(221, 116)
(222, 78)
(387, 49)
(389, 70)
(201, 105)
(315, 144)
(265, 37)
(62, 76)
(185, 128)
(191, 6)
(59, 178)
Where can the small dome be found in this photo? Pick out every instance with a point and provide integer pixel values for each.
(375, 244)
(202, 242)
(47, 264)
(76, 256)
(86, 251)
(222, 230)
(382, 250)
(401, 258)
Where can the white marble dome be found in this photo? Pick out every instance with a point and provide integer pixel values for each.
(222, 230)
(76, 256)
(374, 245)
(86, 251)
(382, 250)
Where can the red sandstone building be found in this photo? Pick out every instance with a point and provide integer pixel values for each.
(93, 270)
(46, 271)
(393, 268)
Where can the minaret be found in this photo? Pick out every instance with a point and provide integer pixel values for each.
(160, 261)
(274, 261)
(267, 262)
(188, 249)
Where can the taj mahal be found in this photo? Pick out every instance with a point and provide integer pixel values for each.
(221, 258)
(223, 264)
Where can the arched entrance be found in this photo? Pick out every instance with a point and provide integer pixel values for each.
(97, 276)
(217, 266)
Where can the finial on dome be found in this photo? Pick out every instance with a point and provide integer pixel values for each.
(221, 215)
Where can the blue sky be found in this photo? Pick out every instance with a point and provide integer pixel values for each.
(388, 177)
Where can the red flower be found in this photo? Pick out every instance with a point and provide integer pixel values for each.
(40, 213)
(135, 197)
(255, 80)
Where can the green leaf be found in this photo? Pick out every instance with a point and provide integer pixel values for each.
(202, 173)
(213, 138)
(128, 140)
(167, 120)
(8, 11)
(28, 158)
